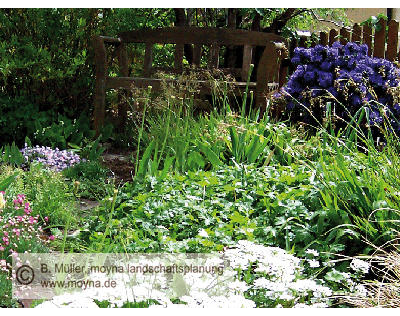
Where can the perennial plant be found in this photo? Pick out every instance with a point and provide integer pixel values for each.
(348, 78)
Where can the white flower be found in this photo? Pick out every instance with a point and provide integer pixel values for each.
(312, 252)
(313, 263)
(359, 266)
(203, 233)
(361, 290)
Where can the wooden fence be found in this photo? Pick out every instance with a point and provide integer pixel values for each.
(382, 42)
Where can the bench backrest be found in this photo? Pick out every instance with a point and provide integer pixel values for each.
(215, 38)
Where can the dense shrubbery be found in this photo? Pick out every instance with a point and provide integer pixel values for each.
(346, 76)
(46, 62)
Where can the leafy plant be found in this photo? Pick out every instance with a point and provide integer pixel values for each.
(11, 155)
(64, 132)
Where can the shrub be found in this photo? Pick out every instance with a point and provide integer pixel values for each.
(346, 76)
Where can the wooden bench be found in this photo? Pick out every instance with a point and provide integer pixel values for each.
(269, 70)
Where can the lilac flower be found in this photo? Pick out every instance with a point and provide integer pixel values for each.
(54, 159)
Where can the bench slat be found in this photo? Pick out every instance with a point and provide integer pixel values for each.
(148, 59)
(247, 57)
(178, 62)
(213, 58)
(199, 35)
(197, 54)
(129, 83)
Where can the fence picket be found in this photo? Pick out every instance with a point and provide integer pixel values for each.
(392, 40)
(323, 38)
(332, 36)
(356, 36)
(367, 38)
(344, 36)
(379, 39)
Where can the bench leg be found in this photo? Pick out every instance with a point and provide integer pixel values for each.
(100, 90)
(99, 107)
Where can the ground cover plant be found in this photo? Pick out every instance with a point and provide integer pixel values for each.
(231, 180)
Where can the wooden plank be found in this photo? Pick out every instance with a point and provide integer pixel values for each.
(235, 72)
(197, 54)
(344, 36)
(392, 40)
(379, 39)
(200, 35)
(213, 58)
(323, 38)
(367, 38)
(356, 35)
(247, 57)
(302, 42)
(130, 82)
(178, 58)
(266, 72)
(100, 85)
(148, 59)
(283, 69)
(332, 36)
(122, 95)
(111, 40)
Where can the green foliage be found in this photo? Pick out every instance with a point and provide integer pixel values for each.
(64, 132)
(46, 190)
(93, 180)
(20, 117)
(11, 155)
(48, 52)
(4, 184)
(92, 151)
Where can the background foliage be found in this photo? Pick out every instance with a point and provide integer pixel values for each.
(46, 56)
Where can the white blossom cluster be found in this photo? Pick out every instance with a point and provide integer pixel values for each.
(279, 277)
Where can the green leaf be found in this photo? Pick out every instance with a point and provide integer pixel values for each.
(211, 156)
(7, 181)
(145, 159)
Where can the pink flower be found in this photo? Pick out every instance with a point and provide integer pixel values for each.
(46, 219)
(52, 237)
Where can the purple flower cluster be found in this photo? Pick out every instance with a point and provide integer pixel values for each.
(55, 159)
(344, 74)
